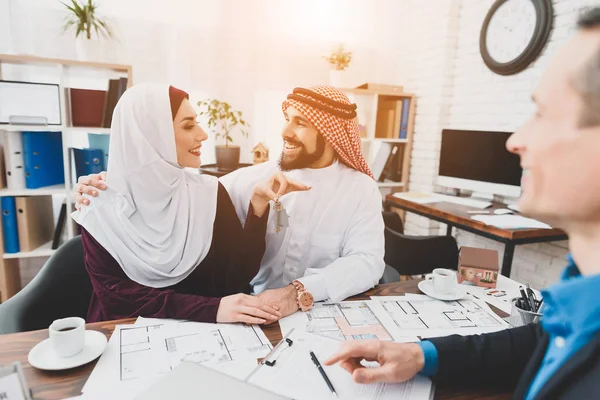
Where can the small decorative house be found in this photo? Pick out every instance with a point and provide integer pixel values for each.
(261, 153)
(478, 267)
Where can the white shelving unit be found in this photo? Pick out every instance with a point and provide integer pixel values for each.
(368, 101)
(64, 73)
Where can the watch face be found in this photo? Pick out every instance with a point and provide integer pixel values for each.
(306, 299)
(510, 30)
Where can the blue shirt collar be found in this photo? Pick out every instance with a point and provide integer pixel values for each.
(572, 306)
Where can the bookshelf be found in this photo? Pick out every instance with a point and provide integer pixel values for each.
(377, 131)
(66, 73)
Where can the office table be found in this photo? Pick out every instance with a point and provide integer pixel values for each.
(52, 385)
(457, 216)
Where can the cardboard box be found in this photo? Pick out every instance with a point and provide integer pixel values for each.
(478, 267)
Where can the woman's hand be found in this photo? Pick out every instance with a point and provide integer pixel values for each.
(88, 185)
(272, 189)
(248, 309)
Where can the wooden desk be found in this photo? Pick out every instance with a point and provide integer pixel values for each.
(61, 384)
(456, 215)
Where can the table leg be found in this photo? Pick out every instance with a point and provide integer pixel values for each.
(448, 230)
(509, 251)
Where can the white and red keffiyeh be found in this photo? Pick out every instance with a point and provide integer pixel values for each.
(331, 112)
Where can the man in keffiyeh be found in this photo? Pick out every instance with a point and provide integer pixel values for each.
(334, 118)
(333, 244)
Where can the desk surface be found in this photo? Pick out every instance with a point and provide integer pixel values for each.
(63, 384)
(457, 214)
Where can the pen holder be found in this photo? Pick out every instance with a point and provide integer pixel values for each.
(520, 317)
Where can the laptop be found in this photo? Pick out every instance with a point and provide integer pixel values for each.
(195, 381)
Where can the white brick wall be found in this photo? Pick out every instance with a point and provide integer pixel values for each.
(476, 99)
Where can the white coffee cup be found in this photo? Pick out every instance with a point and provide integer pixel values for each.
(67, 336)
(444, 280)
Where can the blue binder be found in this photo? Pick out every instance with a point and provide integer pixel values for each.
(43, 159)
(9, 225)
(88, 161)
(99, 141)
(404, 122)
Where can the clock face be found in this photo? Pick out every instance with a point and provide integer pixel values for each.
(510, 30)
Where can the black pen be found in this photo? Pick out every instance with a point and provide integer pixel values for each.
(323, 374)
(531, 297)
(525, 300)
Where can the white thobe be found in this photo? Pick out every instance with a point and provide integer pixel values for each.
(334, 244)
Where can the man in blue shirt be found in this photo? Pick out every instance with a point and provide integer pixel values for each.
(560, 155)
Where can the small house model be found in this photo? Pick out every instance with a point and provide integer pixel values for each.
(478, 267)
(261, 153)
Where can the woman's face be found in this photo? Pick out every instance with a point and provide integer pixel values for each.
(188, 136)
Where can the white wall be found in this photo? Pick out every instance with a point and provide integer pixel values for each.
(476, 98)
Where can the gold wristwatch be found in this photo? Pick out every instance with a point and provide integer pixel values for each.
(305, 299)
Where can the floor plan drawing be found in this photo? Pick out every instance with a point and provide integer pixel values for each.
(424, 316)
(350, 320)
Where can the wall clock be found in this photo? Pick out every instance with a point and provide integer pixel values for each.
(514, 33)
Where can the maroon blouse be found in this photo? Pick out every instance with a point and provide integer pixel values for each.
(231, 263)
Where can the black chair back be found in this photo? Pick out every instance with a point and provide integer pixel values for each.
(417, 255)
(61, 289)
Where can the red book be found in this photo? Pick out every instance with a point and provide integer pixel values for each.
(87, 107)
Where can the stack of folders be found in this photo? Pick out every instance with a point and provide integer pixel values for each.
(32, 159)
(27, 222)
(94, 108)
(388, 162)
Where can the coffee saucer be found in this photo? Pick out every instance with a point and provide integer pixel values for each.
(427, 287)
(43, 356)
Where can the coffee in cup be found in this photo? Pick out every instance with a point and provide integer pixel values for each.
(67, 336)
(444, 280)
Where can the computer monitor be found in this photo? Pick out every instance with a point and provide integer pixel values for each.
(478, 161)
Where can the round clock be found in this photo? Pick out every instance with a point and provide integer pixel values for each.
(514, 33)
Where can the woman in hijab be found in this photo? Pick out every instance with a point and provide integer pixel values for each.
(165, 242)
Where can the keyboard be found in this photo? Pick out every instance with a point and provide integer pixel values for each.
(465, 201)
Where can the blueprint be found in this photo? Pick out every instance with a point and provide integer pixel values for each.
(426, 317)
(348, 320)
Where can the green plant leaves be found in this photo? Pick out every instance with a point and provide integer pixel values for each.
(223, 118)
(84, 17)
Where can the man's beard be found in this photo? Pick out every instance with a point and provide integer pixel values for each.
(304, 159)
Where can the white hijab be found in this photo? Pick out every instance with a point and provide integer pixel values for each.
(156, 219)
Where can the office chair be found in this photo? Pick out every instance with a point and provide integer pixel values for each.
(415, 255)
(61, 289)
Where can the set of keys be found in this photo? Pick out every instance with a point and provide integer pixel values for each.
(282, 219)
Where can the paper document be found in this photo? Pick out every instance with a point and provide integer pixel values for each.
(427, 317)
(295, 375)
(137, 354)
(511, 222)
(419, 198)
(347, 320)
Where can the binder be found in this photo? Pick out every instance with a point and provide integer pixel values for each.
(112, 98)
(59, 226)
(9, 225)
(88, 161)
(404, 123)
(87, 107)
(13, 156)
(43, 159)
(35, 221)
(99, 141)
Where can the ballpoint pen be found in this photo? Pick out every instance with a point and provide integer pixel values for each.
(526, 305)
(531, 298)
(323, 374)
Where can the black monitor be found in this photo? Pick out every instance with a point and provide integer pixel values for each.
(479, 161)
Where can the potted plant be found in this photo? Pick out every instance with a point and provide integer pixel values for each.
(223, 120)
(89, 28)
(339, 60)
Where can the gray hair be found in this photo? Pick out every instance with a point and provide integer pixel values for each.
(587, 83)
